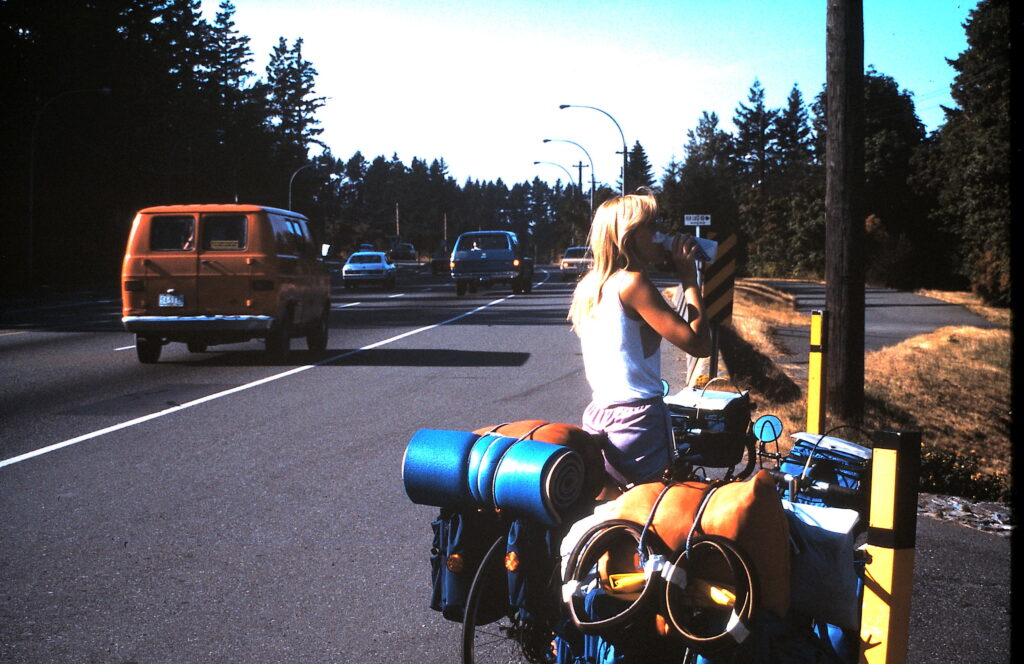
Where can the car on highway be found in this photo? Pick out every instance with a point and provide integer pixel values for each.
(483, 258)
(373, 267)
(216, 274)
(576, 261)
(404, 251)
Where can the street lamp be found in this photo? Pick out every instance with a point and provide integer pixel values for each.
(32, 173)
(625, 152)
(592, 178)
(290, 182)
(551, 163)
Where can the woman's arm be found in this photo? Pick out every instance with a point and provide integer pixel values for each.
(639, 294)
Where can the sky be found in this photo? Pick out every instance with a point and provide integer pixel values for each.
(479, 82)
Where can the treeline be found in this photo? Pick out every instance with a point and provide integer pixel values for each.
(118, 105)
(936, 207)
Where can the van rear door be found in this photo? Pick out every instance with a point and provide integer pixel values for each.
(171, 265)
(225, 264)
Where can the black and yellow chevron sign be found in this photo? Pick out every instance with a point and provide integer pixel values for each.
(720, 279)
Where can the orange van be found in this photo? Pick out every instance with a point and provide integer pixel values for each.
(216, 274)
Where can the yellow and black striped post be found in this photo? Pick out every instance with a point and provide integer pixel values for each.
(892, 537)
(718, 282)
(816, 382)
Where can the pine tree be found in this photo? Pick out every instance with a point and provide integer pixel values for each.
(790, 134)
(231, 59)
(703, 182)
(973, 171)
(638, 173)
(291, 100)
(753, 142)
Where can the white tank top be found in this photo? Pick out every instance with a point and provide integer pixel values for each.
(621, 356)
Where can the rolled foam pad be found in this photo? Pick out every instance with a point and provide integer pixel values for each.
(538, 480)
(436, 467)
(483, 464)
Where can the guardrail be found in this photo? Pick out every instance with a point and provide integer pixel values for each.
(762, 291)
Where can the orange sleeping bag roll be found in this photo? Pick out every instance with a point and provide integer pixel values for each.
(750, 513)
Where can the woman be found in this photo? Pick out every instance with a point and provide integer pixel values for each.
(621, 318)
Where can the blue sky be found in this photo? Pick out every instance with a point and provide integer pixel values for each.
(479, 83)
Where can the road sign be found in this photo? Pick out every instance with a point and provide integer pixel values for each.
(697, 219)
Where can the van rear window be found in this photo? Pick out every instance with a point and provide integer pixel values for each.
(225, 232)
(172, 233)
(482, 242)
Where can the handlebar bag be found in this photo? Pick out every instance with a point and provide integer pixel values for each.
(713, 411)
(749, 513)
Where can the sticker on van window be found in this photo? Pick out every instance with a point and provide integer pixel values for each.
(224, 244)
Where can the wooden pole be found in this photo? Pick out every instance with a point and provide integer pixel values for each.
(844, 220)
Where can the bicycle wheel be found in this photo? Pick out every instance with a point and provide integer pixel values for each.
(505, 639)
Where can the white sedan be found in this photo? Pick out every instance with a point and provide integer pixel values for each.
(368, 267)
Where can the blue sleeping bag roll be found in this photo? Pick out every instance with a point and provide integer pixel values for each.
(464, 471)
(483, 464)
(539, 480)
(436, 466)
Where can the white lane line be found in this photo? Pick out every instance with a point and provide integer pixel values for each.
(235, 390)
(395, 295)
(345, 306)
(125, 347)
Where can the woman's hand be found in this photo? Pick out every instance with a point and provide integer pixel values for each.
(683, 257)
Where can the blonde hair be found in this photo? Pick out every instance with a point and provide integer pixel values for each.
(612, 246)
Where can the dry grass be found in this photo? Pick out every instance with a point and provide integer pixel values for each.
(953, 385)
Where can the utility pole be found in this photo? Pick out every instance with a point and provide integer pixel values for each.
(844, 218)
(580, 166)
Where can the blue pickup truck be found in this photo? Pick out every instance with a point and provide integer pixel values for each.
(483, 258)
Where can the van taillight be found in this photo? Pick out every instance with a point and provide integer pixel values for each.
(262, 284)
(134, 285)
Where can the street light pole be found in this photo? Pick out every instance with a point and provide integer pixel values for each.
(593, 179)
(625, 151)
(292, 180)
(567, 173)
(32, 173)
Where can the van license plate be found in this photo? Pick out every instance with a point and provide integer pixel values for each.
(172, 300)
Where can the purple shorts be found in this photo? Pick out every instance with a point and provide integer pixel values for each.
(639, 439)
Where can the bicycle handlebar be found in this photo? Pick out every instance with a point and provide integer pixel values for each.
(832, 495)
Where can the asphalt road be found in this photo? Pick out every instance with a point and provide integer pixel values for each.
(217, 507)
(890, 316)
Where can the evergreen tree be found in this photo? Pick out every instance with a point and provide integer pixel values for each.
(232, 56)
(292, 104)
(791, 136)
(703, 182)
(971, 171)
(762, 221)
(638, 172)
(752, 147)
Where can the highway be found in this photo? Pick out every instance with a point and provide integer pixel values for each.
(219, 507)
